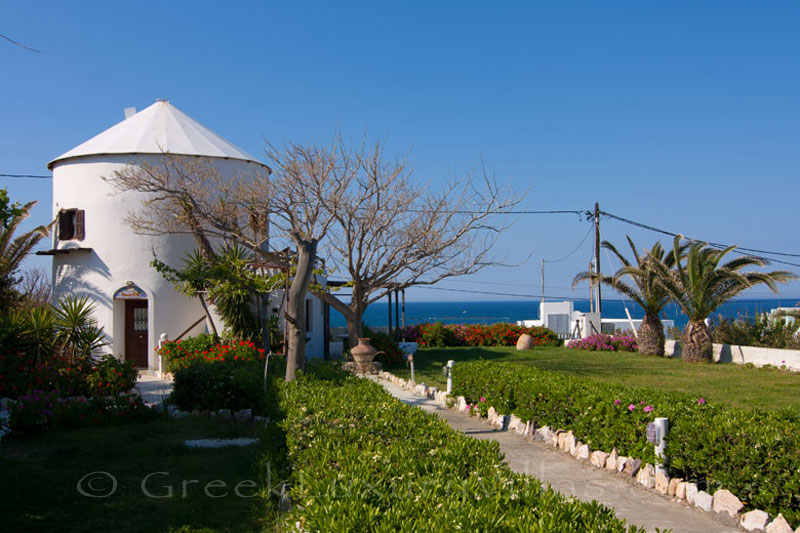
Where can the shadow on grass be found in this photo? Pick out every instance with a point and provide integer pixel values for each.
(140, 476)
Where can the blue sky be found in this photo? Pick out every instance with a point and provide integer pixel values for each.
(679, 115)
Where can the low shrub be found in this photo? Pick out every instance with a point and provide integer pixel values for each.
(363, 461)
(606, 343)
(41, 410)
(758, 331)
(110, 376)
(228, 384)
(439, 335)
(752, 453)
(389, 353)
(202, 349)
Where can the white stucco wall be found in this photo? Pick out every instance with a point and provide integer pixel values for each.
(727, 353)
(118, 255)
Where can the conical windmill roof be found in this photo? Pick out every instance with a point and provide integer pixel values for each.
(160, 128)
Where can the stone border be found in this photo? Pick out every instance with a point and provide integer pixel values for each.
(724, 503)
(242, 416)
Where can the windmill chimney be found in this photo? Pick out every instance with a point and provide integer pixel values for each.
(129, 112)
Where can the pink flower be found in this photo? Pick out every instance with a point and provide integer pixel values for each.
(617, 402)
(701, 401)
(469, 406)
(631, 407)
(648, 408)
(642, 402)
(483, 399)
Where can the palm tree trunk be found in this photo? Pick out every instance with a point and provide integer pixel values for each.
(651, 335)
(696, 343)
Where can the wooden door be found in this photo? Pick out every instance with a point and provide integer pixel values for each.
(136, 332)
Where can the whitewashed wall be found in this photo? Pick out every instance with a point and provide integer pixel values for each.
(727, 353)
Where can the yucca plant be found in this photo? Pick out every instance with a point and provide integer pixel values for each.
(76, 328)
(639, 281)
(700, 283)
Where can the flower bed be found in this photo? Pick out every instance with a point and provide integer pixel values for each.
(363, 461)
(606, 343)
(440, 335)
(202, 349)
(752, 453)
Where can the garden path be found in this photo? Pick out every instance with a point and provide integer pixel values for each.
(572, 478)
(153, 389)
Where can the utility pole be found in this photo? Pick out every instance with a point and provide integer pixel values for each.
(542, 283)
(597, 253)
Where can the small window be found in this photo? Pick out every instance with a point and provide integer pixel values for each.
(309, 309)
(71, 225)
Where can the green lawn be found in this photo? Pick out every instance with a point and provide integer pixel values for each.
(729, 383)
(39, 477)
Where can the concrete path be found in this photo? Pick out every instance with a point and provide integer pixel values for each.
(572, 478)
(153, 389)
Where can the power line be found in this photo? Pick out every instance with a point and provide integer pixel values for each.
(573, 251)
(36, 176)
(516, 295)
(739, 250)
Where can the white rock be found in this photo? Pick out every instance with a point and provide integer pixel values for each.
(779, 525)
(598, 458)
(726, 502)
(755, 520)
(672, 489)
(225, 414)
(645, 477)
(680, 490)
(514, 422)
(621, 461)
(245, 415)
(691, 492)
(662, 483)
(219, 443)
(582, 452)
(525, 342)
(492, 415)
(611, 462)
(571, 442)
(703, 500)
(462, 404)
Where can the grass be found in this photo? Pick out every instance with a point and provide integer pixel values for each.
(732, 384)
(39, 477)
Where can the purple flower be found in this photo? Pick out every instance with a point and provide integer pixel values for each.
(648, 408)
(642, 402)
(701, 401)
(617, 402)
(631, 407)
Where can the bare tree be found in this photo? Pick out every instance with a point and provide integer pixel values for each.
(190, 195)
(392, 234)
(35, 287)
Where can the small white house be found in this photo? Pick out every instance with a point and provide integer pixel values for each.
(95, 252)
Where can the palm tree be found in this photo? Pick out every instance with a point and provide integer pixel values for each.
(639, 281)
(14, 249)
(700, 284)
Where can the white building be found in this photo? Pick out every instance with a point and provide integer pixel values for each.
(95, 252)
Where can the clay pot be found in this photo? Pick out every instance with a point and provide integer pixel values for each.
(363, 353)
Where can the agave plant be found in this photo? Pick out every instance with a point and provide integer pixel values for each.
(40, 331)
(76, 329)
(639, 281)
(700, 283)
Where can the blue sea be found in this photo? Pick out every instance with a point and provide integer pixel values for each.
(377, 314)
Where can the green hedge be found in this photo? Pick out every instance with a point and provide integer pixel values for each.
(364, 461)
(753, 453)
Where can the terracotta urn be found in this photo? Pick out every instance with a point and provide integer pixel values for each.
(363, 353)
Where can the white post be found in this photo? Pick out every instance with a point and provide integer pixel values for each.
(411, 362)
(450, 376)
(662, 426)
(162, 340)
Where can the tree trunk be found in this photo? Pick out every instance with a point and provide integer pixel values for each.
(651, 335)
(295, 313)
(696, 343)
(352, 313)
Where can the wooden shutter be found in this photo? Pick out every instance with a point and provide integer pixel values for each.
(66, 229)
(80, 224)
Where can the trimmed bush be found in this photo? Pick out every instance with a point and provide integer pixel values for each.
(752, 453)
(363, 461)
(606, 343)
(439, 335)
